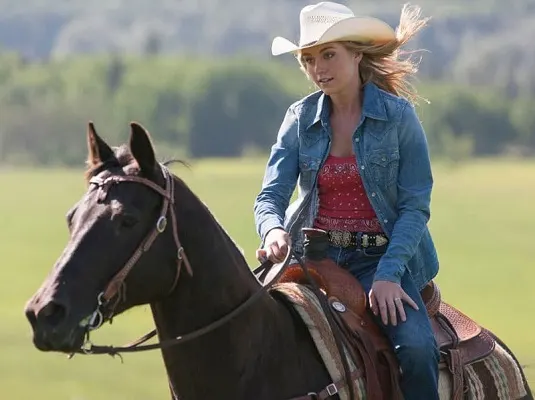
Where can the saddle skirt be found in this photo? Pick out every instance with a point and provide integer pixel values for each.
(495, 376)
(461, 340)
(450, 325)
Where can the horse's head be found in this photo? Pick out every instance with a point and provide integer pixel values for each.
(128, 204)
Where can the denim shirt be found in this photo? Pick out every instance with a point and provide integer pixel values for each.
(391, 152)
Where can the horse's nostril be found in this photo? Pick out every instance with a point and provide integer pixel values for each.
(52, 313)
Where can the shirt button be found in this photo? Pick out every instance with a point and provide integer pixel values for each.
(385, 221)
(384, 158)
(373, 194)
(362, 167)
(357, 140)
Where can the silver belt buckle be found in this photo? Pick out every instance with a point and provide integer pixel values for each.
(340, 238)
(380, 240)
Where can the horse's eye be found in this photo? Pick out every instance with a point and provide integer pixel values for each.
(128, 220)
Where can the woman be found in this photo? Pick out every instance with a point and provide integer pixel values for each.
(360, 156)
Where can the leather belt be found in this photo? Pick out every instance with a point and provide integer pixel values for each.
(357, 239)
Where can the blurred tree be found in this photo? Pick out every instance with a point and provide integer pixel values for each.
(153, 44)
(221, 108)
(240, 107)
(115, 73)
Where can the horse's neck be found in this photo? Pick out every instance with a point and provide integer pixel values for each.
(216, 363)
(243, 357)
(221, 281)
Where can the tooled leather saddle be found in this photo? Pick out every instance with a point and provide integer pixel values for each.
(460, 339)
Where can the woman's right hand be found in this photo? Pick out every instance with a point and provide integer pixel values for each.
(276, 246)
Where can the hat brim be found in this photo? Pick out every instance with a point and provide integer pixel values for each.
(358, 29)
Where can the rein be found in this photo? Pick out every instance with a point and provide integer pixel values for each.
(116, 287)
(137, 345)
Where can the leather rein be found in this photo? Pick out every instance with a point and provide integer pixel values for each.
(117, 288)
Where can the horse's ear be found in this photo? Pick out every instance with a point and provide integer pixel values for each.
(142, 148)
(98, 149)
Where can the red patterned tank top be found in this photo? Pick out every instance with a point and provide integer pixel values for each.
(343, 203)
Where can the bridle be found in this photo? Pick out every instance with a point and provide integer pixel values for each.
(118, 281)
(117, 287)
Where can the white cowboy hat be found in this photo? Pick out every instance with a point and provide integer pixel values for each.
(328, 22)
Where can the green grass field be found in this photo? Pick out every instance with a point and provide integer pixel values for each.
(482, 223)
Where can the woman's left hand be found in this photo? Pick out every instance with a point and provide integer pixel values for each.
(387, 299)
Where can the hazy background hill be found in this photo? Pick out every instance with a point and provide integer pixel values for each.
(464, 35)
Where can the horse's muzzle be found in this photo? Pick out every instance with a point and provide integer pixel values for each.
(53, 330)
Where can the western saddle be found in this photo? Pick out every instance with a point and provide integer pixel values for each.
(461, 340)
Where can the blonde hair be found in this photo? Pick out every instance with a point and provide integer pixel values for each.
(382, 65)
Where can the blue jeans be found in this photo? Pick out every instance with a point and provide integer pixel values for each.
(413, 340)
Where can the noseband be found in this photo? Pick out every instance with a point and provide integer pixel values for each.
(117, 287)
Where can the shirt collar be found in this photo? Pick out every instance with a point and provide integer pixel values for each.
(373, 105)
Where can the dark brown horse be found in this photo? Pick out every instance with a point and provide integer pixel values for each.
(262, 353)
(140, 236)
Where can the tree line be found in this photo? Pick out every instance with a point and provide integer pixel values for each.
(201, 107)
